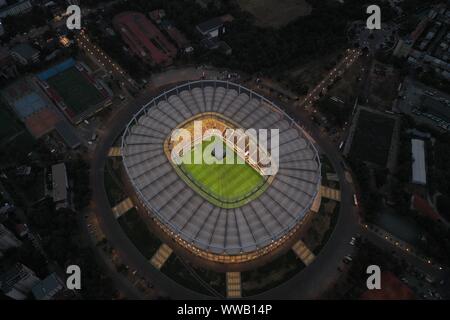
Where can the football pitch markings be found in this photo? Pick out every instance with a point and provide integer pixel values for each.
(225, 182)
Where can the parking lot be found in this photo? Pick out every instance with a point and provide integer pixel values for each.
(411, 100)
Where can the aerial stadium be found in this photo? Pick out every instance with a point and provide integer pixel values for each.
(227, 211)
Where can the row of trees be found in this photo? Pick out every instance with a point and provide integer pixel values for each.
(268, 49)
(60, 237)
(37, 17)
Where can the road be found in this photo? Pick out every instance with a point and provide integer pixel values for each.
(314, 280)
(309, 284)
(122, 284)
(338, 70)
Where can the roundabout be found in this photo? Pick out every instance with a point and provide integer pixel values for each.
(216, 239)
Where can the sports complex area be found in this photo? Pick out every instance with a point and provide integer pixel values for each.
(226, 213)
(71, 86)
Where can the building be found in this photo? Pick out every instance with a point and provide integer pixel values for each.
(437, 106)
(32, 106)
(157, 15)
(25, 54)
(222, 230)
(404, 47)
(419, 172)
(60, 186)
(15, 9)
(49, 288)
(17, 282)
(7, 239)
(144, 39)
(212, 28)
(5, 210)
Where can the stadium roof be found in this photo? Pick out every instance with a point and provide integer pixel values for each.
(42, 122)
(210, 25)
(419, 172)
(252, 226)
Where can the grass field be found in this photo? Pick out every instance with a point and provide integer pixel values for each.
(140, 235)
(76, 90)
(373, 138)
(228, 183)
(275, 13)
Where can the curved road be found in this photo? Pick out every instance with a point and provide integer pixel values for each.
(308, 284)
(311, 282)
(110, 226)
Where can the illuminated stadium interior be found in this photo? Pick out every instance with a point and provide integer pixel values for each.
(215, 213)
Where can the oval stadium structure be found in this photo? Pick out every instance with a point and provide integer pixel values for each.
(226, 214)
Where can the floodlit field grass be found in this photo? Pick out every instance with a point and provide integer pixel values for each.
(275, 13)
(76, 90)
(224, 182)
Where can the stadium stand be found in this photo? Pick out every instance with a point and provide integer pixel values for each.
(208, 230)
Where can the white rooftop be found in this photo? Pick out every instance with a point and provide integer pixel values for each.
(419, 170)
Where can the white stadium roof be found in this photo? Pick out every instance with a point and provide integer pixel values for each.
(250, 227)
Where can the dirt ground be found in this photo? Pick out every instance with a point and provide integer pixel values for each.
(275, 13)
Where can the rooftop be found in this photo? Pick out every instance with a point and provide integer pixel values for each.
(419, 173)
(25, 50)
(47, 288)
(60, 183)
(210, 25)
(144, 38)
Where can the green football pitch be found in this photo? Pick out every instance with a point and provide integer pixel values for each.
(76, 90)
(227, 185)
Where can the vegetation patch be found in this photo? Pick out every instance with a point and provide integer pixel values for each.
(137, 231)
(275, 13)
(271, 275)
(198, 279)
